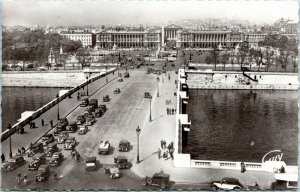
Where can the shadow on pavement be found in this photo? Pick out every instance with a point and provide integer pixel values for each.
(148, 156)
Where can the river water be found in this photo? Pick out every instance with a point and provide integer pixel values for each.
(16, 100)
(242, 125)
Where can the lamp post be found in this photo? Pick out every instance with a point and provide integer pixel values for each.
(87, 86)
(106, 74)
(150, 98)
(10, 152)
(57, 97)
(157, 86)
(138, 131)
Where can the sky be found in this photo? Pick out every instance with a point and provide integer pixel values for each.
(124, 12)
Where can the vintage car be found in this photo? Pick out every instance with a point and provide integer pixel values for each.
(122, 162)
(102, 108)
(117, 90)
(72, 127)
(82, 129)
(147, 95)
(106, 98)
(12, 163)
(51, 148)
(62, 137)
(89, 110)
(227, 183)
(70, 143)
(124, 145)
(94, 103)
(98, 112)
(112, 172)
(43, 173)
(126, 74)
(56, 159)
(158, 179)
(90, 120)
(84, 102)
(35, 148)
(80, 119)
(120, 79)
(91, 163)
(47, 138)
(62, 125)
(285, 181)
(104, 147)
(37, 161)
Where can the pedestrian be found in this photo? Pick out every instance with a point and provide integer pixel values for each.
(19, 177)
(73, 153)
(172, 111)
(51, 123)
(282, 169)
(162, 144)
(243, 167)
(167, 111)
(55, 177)
(25, 178)
(22, 150)
(19, 152)
(30, 125)
(2, 157)
(171, 153)
(159, 153)
(169, 76)
(43, 122)
(77, 157)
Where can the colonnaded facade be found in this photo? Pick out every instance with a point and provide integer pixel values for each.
(174, 36)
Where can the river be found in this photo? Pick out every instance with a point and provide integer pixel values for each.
(16, 100)
(242, 125)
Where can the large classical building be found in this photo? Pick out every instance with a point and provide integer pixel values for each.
(86, 38)
(174, 36)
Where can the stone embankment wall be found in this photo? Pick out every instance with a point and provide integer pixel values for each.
(238, 80)
(51, 104)
(43, 79)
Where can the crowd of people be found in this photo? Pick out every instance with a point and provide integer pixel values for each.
(165, 151)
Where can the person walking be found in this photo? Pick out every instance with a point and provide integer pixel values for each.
(25, 179)
(159, 153)
(2, 157)
(51, 123)
(43, 122)
(162, 144)
(19, 177)
(55, 178)
(22, 150)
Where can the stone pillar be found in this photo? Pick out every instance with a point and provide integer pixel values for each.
(162, 36)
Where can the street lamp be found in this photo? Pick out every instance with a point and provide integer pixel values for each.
(150, 98)
(57, 96)
(87, 86)
(106, 74)
(10, 152)
(138, 131)
(157, 86)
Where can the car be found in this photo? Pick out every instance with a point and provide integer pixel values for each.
(37, 161)
(227, 183)
(62, 137)
(147, 95)
(285, 181)
(158, 179)
(106, 98)
(126, 74)
(72, 127)
(112, 172)
(103, 147)
(94, 103)
(90, 120)
(80, 119)
(120, 79)
(117, 90)
(102, 108)
(84, 102)
(82, 129)
(122, 162)
(98, 112)
(51, 148)
(13, 163)
(124, 145)
(47, 138)
(70, 143)
(35, 148)
(89, 110)
(43, 173)
(62, 125)
(90, 163)
(56, 159)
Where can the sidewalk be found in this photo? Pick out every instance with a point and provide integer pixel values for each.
(163, 127)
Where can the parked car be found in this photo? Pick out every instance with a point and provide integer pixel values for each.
(112, 172)
(56, 159)
(13, 163)
(62, 137)
(102, 108)
(51, 148)
(72, 127)
(47, 138)
(120, 79)
(98, 112)
(122, 162)
(94, 103)
(70, 143)
(43, 173)
(90, 120)
(106, 98)
(158, 179)
(104, 147)
(91, 163)
(84, 102)
(227, 183)
(62, 125)
(37, 161)
(80, 119)
(82, 129)
(285, 181)
(124, 145)
(126, 74)
(117, 90)
(35, 148)
(147, 95)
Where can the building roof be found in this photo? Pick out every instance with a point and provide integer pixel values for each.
(172, 26)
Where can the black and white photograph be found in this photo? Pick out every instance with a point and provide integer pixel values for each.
(149, 95)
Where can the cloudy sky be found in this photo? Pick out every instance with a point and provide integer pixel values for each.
(98, 12)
